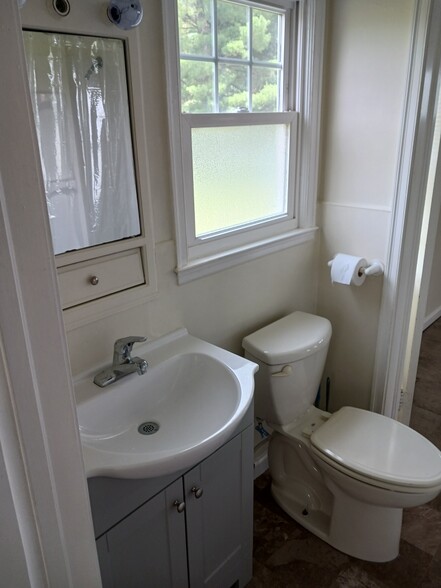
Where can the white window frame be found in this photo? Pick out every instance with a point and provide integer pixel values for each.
(197, 257)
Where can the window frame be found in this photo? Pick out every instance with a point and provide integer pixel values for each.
(205, 255)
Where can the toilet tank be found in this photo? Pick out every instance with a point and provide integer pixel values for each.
(291, 355)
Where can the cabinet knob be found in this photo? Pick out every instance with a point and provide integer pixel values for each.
(94, 280)
(197, 491)
(180, 505)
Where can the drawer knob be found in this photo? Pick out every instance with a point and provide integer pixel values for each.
(197, 491)
(94, 280)
(180, 506)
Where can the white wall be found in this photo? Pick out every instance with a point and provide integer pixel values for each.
(221, 308)
(368, 51)
(367, 59)
(433, 307)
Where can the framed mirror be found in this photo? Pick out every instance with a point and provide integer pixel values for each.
(81, 106)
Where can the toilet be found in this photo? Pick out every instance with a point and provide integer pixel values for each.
(347, 476)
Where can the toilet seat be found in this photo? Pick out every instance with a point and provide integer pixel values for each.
(378, 450)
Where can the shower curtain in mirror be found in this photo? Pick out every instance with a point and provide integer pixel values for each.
(79, 93)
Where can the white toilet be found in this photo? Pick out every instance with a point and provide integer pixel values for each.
(347, 476)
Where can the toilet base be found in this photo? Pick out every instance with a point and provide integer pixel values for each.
(360, 530)
(316, 521)
(345, 520)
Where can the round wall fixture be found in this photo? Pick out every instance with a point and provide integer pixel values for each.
(125, 14)
(61, 7)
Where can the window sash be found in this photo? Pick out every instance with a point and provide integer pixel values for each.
(246, 233)
(284, 98)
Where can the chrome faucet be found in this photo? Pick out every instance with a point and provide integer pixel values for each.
(123, 362)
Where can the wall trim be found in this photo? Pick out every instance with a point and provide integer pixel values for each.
(332, 204)
(432, 317)
(39, 432)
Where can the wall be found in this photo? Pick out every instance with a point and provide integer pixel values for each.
(368, 51)
(433, 307)
(221, 308)
(367, 57)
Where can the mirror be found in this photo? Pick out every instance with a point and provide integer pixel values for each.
(80, 99)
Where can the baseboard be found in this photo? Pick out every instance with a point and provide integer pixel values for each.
(432, 317)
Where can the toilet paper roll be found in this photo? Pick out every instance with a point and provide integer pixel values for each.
(346, 269)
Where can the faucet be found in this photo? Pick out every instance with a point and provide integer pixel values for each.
(123, 362)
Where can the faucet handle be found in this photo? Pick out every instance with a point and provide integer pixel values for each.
(122, 348)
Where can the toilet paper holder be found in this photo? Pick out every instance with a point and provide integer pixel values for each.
(374, 268)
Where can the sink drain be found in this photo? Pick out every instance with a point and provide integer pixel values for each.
(148, 428)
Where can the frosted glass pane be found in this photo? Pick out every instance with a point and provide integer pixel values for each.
(240, 175)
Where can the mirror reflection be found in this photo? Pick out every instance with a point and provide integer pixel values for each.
(79, 93)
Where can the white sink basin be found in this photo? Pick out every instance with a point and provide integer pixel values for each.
(193, 393)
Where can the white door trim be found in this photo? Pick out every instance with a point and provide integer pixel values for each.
(422, 280)
(416, 144)
(39, 440)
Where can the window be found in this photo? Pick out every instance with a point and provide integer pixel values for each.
(243, 83)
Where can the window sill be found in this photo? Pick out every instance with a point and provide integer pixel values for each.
(205, 266)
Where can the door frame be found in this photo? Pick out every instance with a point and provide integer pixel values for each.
(42, 470)
(394, 376)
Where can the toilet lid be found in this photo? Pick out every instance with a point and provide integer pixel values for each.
(379, 448)
(289, 339)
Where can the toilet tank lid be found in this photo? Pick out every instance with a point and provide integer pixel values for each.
(289, 339)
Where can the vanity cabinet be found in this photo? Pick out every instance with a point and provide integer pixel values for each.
(190, 531)
(147, 548)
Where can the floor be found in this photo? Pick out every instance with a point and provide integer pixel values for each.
(288, 556)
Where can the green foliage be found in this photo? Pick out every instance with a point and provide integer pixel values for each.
(196, 38)
(195, 34)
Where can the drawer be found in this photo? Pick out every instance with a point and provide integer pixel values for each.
(89, 280)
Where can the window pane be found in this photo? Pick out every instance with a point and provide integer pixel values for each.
(195, 27)
(233, 31)
(197, 86)
(267, 36)
(240, 175)
(265, 89)
(221, 41)
(233, 88)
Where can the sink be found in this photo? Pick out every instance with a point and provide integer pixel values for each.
(186, 406)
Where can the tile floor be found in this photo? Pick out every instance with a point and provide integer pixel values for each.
(288, 556)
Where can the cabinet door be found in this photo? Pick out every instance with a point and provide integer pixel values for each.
(219, 521)
(148, 548)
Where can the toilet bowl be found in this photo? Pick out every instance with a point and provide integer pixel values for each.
(347, 476)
